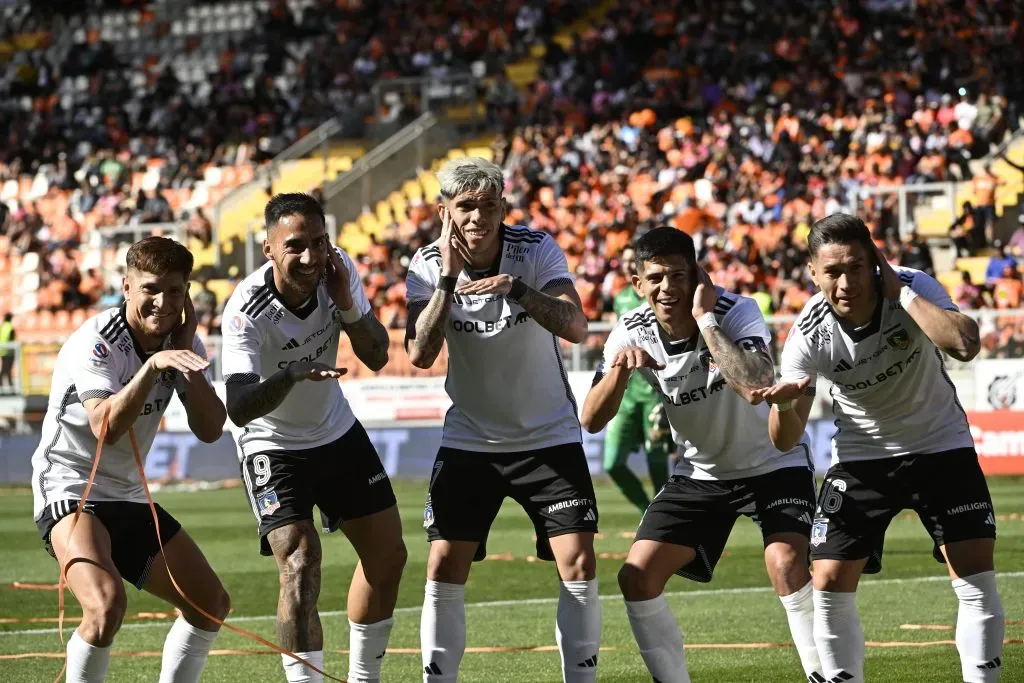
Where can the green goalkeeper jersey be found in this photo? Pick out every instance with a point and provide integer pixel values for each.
(638, 388)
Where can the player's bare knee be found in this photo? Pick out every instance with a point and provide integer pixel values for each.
(636, 584)
(579, 564)
(103, 609)
(786, 569)
(386, 569)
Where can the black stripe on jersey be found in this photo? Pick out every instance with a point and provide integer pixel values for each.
(557, 282)
(523, 239)
(814, 317)
(906, 277)
(565, 382)
(890, 329)
(261, 294)
(94, 393)
(114, 321)
(114, 333)
(725, 304)
(65, 402)
(431, 254)
(639, 320)
(242, 378)
(260, 307)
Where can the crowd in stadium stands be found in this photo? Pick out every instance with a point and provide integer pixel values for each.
(738, 122)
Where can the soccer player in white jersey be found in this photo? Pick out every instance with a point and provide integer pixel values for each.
(125, 363)
(705, 351)
(502, 296)
(903, 441)
(300, 443)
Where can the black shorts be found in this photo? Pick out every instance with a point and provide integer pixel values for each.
(858, 500)
(133, 545)
(552, 484)
(700, 514)
(344, 479)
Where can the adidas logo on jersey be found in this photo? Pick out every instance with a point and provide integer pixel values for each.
(590, 516)
(990, 520)
(292, 344)
(842, 366)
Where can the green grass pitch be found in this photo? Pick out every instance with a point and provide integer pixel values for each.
(511, 601)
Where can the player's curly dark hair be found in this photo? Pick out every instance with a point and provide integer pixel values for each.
(291, 204)
(839, 228)
(665, 241)
(160, 255)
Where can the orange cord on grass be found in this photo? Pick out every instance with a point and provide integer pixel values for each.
(156, 523)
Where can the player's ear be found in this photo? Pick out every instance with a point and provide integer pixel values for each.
(126, 287)
(504, 209)
(267, 251)
(814, 273)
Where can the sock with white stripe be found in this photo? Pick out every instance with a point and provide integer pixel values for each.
(442, 631)
(367, 644)
(297, 672)
(578, 630)
(185, 652)
(800, 613)
(659, 639)
(838, 635)
(86, 663)
(979, 628)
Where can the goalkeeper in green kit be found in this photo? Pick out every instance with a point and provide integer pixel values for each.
(641, 418)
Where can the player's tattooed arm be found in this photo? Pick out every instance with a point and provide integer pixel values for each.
(370, 341)
(249, 399)
(746, 365)
(424, 332)
(951, 331)
(557, 309)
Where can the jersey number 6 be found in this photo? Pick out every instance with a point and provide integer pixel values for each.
(832, 495)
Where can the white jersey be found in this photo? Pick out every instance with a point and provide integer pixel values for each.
(98, 360)
(890, 392)
(722, 436)
(506, 380)
(262, 336)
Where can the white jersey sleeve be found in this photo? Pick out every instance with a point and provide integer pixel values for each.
(552, 266)
(242, 339)
(420, 281)
(99, 376)
(798, 359)
(928, 287)
(746, 327)
(355, 283)
(618, 339)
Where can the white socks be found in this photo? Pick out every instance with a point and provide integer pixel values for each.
(578, 630)
(838, 635)
(367, 644)
(800, 613)
(86, 663)
(185, 651)
(658, 637)
(442, 631)
(979, 627)
(297, 672)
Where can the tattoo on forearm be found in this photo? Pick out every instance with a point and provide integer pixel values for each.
(968, 343)
(430, 326)
(742, 368)
(553, 314)
(248, 402)
(369, 341)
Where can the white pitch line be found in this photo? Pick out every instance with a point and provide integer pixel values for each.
(709, 592)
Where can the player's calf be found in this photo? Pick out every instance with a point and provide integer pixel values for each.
(297, 551)
(785, 558)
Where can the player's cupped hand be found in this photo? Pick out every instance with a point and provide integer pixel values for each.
(634, 358)
(183, 336)
(782, 392)
(315, 372)
(338, 280)
(182, 360)
(499, 284)
(453, 247)
(704, 296)
(891, 283)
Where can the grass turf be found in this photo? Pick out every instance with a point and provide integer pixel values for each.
(736, 608)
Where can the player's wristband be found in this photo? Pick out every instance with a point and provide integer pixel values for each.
(518, 289)
(906, 296)
(350, 315)
(785, 405)
(707, 320)
(447, 283)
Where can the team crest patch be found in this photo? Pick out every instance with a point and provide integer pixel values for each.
(268, 503)
(819, 532)
(708, 361)
(1002, 392)
(100, 351)
(235, 323)
(899, 339)
(428, 514)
